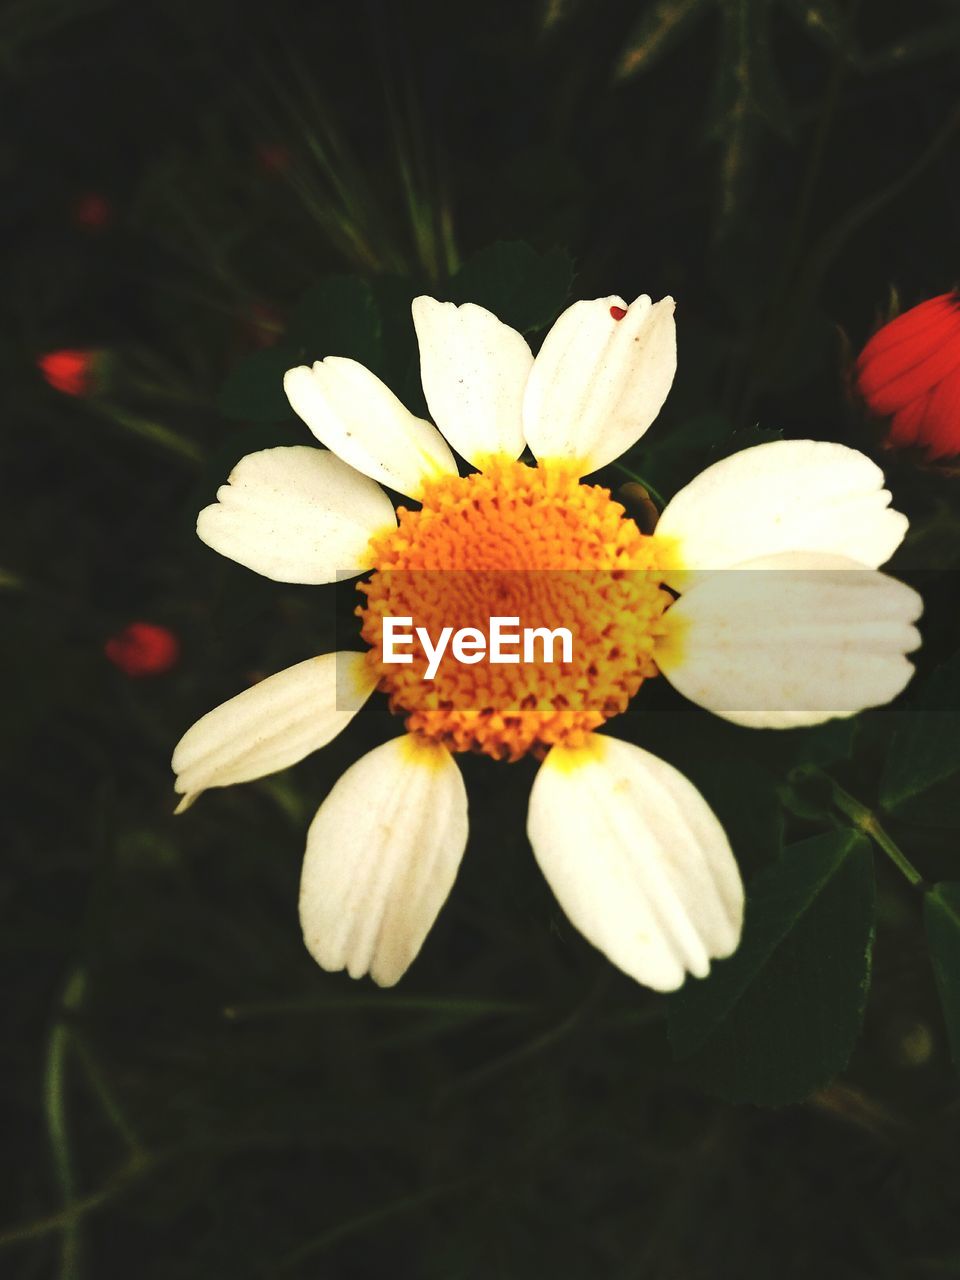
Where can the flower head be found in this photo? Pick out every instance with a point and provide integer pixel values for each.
(540, 546)
(72, 370)
(757, 596)
(909, 372)
(143, 649)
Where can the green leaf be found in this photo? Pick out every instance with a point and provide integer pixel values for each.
(399, 354)
(253, 390)
(781, 1016)
(524, 288)
(941, 918)
(744, 438)
(923, 763)
(808, 793)
(338, 316)
(744, 797)
(669, 459)
(932, 542)
(821, 744)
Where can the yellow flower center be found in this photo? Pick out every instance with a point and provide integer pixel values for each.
(530, 543)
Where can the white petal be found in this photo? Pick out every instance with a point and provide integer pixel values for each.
(474, 369)
(790, 640)
(789, 495)
(357, 416)
(296, 515)
(273, 724)
(637, 860)
(382, 856)
(598, 383)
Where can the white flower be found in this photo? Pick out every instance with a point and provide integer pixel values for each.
(782, 620)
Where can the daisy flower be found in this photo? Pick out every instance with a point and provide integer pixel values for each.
(636, 858)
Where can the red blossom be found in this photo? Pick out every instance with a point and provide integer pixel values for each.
(70, 370)
(263, 325)
(92, 211)
(273, 157)
(909, 372)
(143, 649)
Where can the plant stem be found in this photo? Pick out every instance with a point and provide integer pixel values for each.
(55, 1107)
(818, 147)
(111, 1106)
(156, 433)
(867, 821)
(68, 1219)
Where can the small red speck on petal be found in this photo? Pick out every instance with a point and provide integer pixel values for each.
(143, 649)
(69, 370)
(92, 211)
(618, 312)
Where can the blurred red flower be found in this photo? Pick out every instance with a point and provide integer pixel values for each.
(70, 370)
(273, 157)
(263, 325)
(909, 372)
(143, 649)
(92, 211)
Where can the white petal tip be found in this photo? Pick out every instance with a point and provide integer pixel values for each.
(206, 521)
(382, 854)
(666, 895)
(424, 302)
(601, 377)
(386, 980)
(271, 725)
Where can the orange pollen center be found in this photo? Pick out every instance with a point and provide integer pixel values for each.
(533, 544)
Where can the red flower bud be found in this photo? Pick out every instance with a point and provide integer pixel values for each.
(92, 211)
(70, 371)
(143, 649)
(263, 325)
(273, 157)
(909, 372)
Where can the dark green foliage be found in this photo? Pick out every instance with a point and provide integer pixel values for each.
(526, 289)
(338, 316)
(780, 1018)
(941, 915)
(921, 774)
(253, 391)
(669, 460)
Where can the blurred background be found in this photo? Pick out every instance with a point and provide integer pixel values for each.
(199, 194)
